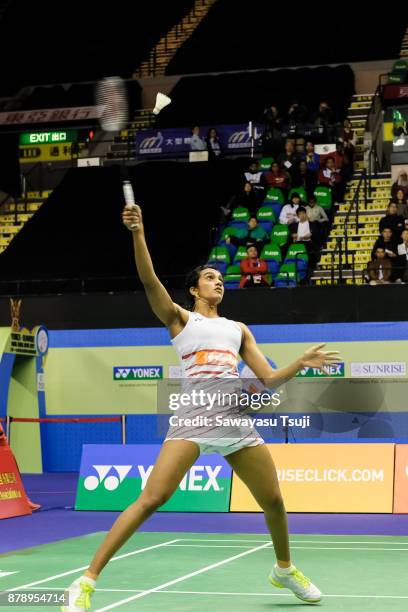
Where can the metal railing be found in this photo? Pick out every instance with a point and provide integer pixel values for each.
(374, 124)
(354, 207)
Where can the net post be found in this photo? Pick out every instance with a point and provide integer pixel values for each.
(123, 420)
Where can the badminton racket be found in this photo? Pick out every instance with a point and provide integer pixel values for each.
(112, 99)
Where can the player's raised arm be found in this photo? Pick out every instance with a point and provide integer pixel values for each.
(170, 314)
(254, 358)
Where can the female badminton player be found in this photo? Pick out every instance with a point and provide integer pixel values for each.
(208, 346)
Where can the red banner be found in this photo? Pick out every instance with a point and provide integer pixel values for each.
(13, 499)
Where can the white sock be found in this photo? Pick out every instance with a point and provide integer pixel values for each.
(90, 581)
(284, 570)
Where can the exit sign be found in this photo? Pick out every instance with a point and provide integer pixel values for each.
(39, 138)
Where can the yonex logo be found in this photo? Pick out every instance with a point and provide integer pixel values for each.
(138, 373)
(335, 370)
(193, 480)
(109, 482)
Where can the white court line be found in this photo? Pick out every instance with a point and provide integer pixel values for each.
(292, 547)
(79, 569)
(181, 578)
(210, 545)
(280, 595)
(295, 541)
(238, 594)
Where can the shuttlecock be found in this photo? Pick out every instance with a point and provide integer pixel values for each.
(161, 102)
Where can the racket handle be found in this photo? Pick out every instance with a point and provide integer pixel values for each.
(128, 193)
(129, 196)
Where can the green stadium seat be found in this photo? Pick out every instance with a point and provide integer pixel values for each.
(219, 254)
(287, 277)
(323, 196)
(240, 214)
(274, 195)
(295, 250)
(265, 163)
(271, 252)
(240, 254)
(301, 191)
(266, 218)
(280, 234)
(399, 72)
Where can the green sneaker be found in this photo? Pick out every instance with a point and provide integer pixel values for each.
(79, 595)
(298, 583)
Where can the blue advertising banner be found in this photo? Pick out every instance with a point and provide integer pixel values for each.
(177, 140)
(112, 476)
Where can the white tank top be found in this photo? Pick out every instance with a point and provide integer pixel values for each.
(208, 347)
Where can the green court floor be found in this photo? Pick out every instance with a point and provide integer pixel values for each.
(220, 572)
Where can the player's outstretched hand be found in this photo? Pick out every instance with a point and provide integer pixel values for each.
(316, 358)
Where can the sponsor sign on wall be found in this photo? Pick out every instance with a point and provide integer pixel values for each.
(113, 476)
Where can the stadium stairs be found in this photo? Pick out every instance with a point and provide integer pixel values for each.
(161, 55)
(360, 243)
(13, 216)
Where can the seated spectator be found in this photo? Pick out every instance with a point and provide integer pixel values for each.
(330, 176)
(272, 120)
(305, 178)
(213, 144)
(325, 119)
(347, 134)
(317, 214)
(256, 234)
(304, 232)
(296, 115)
(311, 158)
(342, 162)
(257, 179)
(402, 271)
(276, 177)
(196, 142)
(387, 242)
(400, 200)
(400, 183)
(288, 213)
(289, 159)
(246, 198)
(379, 270)
(393, 220)
(253, 270)
(271, 138)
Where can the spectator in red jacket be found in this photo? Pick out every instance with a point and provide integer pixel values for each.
(330, 176)
(253, 270)
(277, 177)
